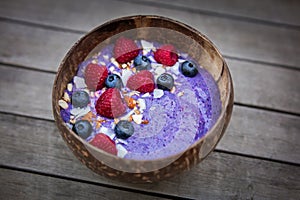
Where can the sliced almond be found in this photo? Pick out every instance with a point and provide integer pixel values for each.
(63, 104)
(69, 87)
(66, 97)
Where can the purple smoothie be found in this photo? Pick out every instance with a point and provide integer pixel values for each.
(176, 120)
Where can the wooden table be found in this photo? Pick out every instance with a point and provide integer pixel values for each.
(259, 156)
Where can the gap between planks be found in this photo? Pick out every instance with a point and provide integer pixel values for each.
(68, 30)
(73, 181)
(234, 38)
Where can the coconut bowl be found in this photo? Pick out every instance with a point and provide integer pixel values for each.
(162, 30)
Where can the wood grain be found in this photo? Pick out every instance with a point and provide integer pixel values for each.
(33, 47)
(234, 38)
(278, 11)
(28, 93)
(36, 145)
(22, 185)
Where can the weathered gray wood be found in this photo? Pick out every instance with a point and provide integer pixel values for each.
(264, 134)
(36, 145)
(266, 86)
(21, 185)
(278, 11)
(234, 38)
(34, 47)
(44, 49)
(28, 93)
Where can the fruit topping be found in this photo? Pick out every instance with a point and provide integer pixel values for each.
(142, 82)
(80, 99)
(95, 76)
(166, 55)
(104, 143)
(83, 128)
(124, 129)
(188, 69)
(125, 50)
(114, 81)
(142, 63)
(165, 81)
(110, 104)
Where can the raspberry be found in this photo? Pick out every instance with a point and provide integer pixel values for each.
(125, 50)
(110, 104)
(166, 55)
(143, 82)
(103, 142)
(95, 76)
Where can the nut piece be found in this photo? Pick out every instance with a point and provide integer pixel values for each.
(69, 87)
(131, 103)
(180, 94)
(66, 97)
(63, 104)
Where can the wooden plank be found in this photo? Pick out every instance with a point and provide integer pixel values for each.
(266, 86)
(278, 11)
(264, 134)
(34, 47)
(234, 38)
(28, 93)
(21, 185)
(36, 145)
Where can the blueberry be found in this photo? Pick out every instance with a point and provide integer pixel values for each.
(124, 129)
(188, 69)
(80, 99)
(83, 128)
(165, 81)
(113, 81)
(142, 63)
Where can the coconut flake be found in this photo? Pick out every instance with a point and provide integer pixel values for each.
(146, 45)
(112, 68)
(79, 112)
(79, 82)
(102, 63)
(121, 151)
(142, 104)
(146, 95)
(114, 62)
(125, 117)
(159, 71)
(156, 65)
(175, 68)
(106, 57)
(107, 131)
(125, 75)
(157, 93)
(137, 118)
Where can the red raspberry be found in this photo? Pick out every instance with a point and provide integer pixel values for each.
(125, 50)
(110, 104)
(166, 55)
(103, 142)
(95, 76)
(143, 82)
